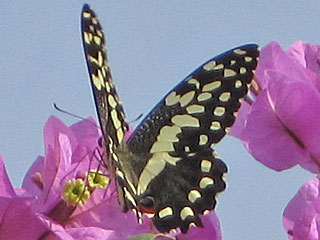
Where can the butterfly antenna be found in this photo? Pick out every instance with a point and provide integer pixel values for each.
(136, 119)
(66, 112)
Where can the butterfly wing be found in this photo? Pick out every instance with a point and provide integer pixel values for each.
(110, 111)
(178, 172)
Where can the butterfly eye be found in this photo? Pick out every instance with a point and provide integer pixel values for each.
(146, 203)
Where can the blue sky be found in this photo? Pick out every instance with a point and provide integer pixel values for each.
(152, 46)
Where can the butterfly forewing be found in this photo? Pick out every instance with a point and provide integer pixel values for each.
(168, 169)
(110, 111)
(109, 108)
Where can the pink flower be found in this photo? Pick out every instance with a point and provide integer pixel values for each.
(301, 218)
(280, 126)
(61, 199)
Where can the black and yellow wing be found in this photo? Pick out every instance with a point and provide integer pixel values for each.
(168, 169)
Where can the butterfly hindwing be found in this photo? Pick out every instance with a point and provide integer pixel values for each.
(168, 169)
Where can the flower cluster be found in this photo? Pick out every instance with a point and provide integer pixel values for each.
(279, 125)
(66, 194)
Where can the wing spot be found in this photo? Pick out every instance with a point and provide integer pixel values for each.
(172, 99)
(100, 59)
(115, 119)
(94, 21)
(215, 125)
(169, 133)
(187, 149)
(112, 102)
(203, 139)
(239, 51)
(195, 109)
(209, 66)
(186, 212)
(218, 67)
(204, 96)
(219, 111)
(225, 96)
(91, 28)
(205, 182)
(195, 82)
(87, 37)
(229, 72)
(194, 195)
(167, 211)
(86, 14)
(97, 81)
(186, 98)
(206, 166)
(243, 70)
(206, 212)
(185, 121)
(99, 33)
(238, 84)
(248, 59)
(232, 62)
(211, 86)
(97, 40)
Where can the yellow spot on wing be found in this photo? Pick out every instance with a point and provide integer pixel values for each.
(195, 109)
(186, 98)
(168, 211)
(195, 82)
(239, 51)
(194, 195)
(211, 86)
(219, 111)
(185, 212)
(204, 96)
(112, 102)
(86, 14)
(218, 67)
(215, 125)
(203, 139)
(206, 165)
(225, 96)
(229, 72)
(238, 84)
(185, 121)
(115, 119)
(209, 66)
(206, 181)
(248, 59)
(172, 99)
(169, 133)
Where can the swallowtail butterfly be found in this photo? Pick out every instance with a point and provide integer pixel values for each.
(167, 168)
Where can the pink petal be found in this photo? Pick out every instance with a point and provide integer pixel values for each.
(211, 229)
(297, 104)
(266, 138)
(301, 216)
(15, 216)
(6, 189)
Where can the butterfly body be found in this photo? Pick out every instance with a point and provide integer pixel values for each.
(167, 169)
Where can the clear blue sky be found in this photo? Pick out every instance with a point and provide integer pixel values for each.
(152, 46)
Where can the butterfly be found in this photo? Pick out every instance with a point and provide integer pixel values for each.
(167, 169)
